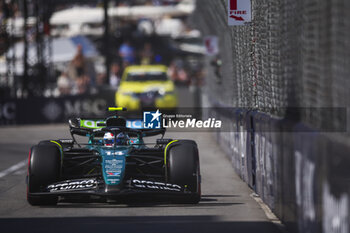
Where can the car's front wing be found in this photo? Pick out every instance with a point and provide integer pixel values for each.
(96, 187)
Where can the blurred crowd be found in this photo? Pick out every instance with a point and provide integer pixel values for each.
(81, 77)
(132, 41)
(7, 9)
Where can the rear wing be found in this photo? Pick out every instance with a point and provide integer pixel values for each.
(100, 123)
(97, 127)
(87, 127)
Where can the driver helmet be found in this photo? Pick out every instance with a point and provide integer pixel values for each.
(108, 139)
(121, 139)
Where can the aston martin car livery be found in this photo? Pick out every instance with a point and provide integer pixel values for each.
(144, 86)
(108, 169)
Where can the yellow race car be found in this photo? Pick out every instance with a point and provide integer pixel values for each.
(146, 86)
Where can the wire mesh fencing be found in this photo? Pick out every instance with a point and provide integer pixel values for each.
(294, 53)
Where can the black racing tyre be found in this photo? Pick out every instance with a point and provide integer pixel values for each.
(43, 169)
(183, 169)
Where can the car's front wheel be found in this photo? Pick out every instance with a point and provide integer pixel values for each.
(183, 169)
(43, 169)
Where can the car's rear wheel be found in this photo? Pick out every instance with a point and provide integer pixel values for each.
(43, 169)
(183, 169)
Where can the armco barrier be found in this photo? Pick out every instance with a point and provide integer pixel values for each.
(307, 164)
(265, 170)
(240, 146)
(250, 153)
(287, 171)
(336, 185)
(236, 146)
(302, 175)
(276, 137)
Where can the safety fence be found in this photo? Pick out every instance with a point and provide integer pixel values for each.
(294, 54)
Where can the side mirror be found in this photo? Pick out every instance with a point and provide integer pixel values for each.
(74, 122)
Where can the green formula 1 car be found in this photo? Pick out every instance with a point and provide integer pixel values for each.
(115, 164)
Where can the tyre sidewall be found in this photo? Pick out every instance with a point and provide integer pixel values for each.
(183, 165)
(44, 168)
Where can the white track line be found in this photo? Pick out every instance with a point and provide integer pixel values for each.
(13, 168)
(269, 214)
